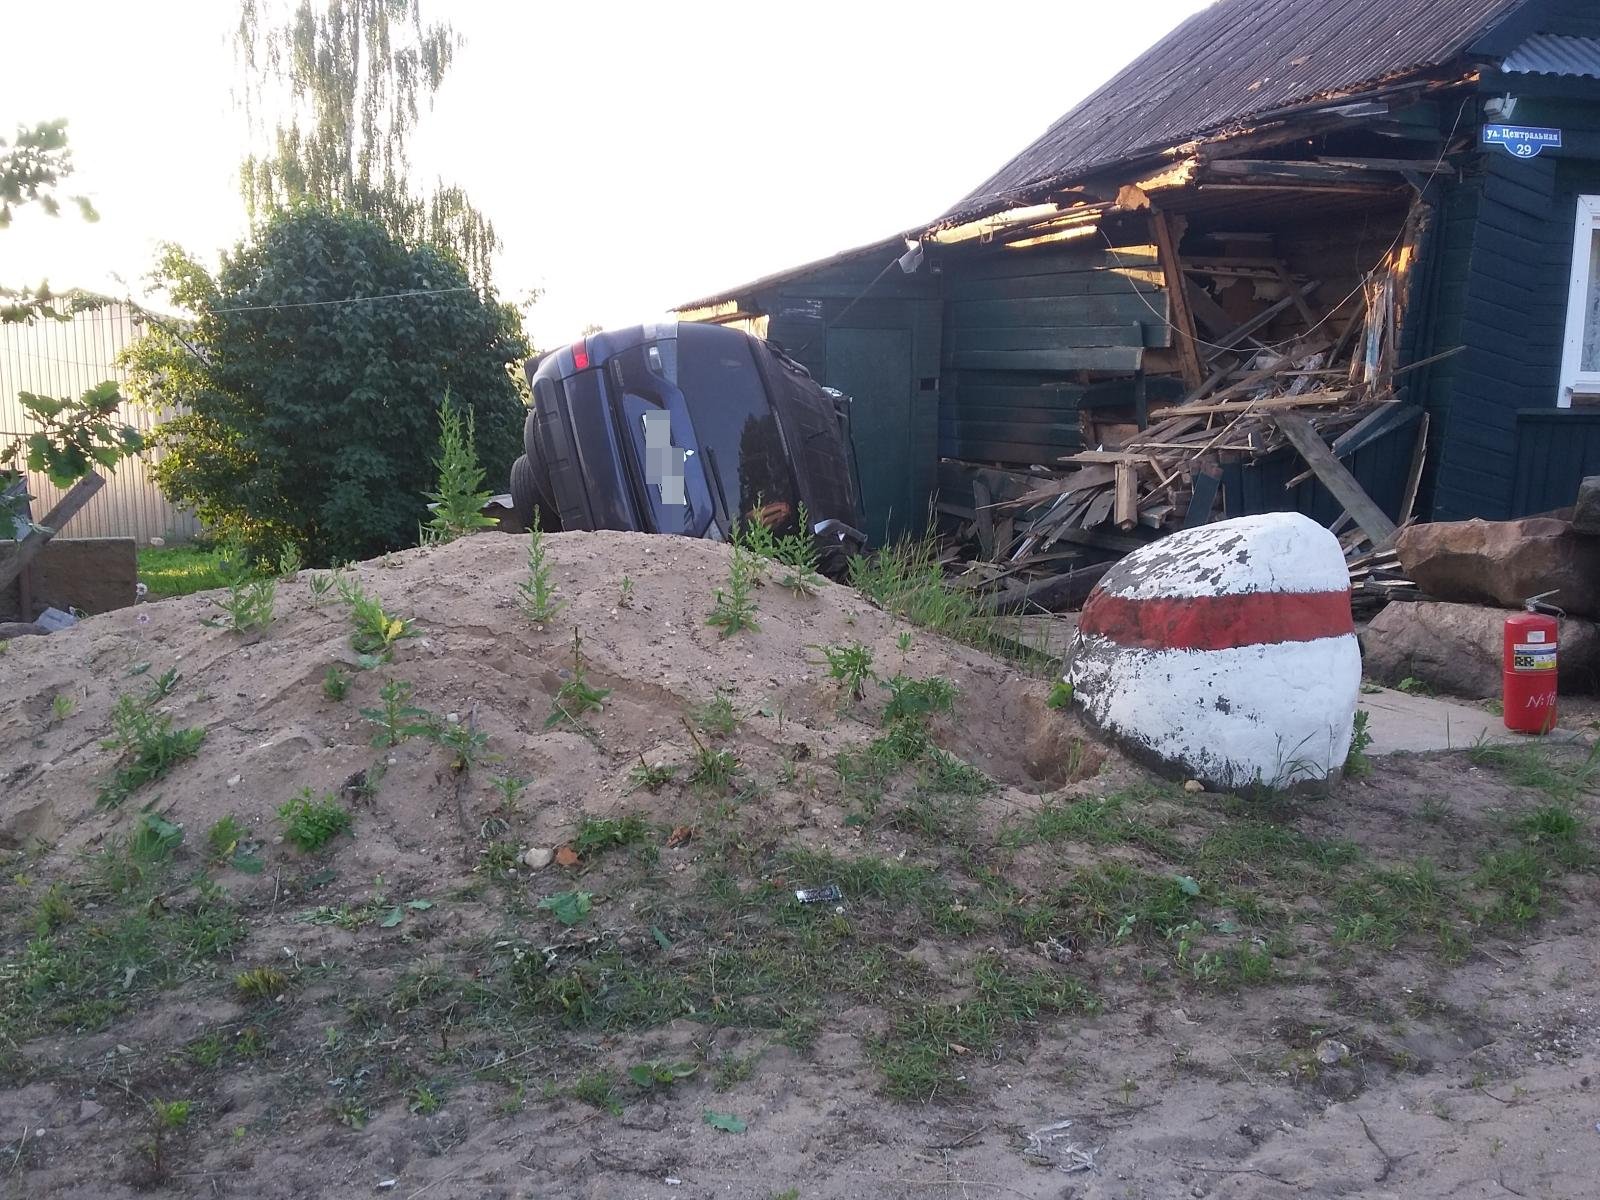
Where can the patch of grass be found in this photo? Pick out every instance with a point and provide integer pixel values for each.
(945, 773)
(260, 983)
(1060, 694)
(84, 966)
(154, 838)
(712, 772)
(717, 716)
(182, 570)
(599, 1090)
(1115, 902)
(652, 777)
(1541, 767)
(1098, 820)
(311, 822)
(597, 834)
(335, 684)
(1245, 849)
(917, 699)
(148, 747)
(62, 707)
(924, 1055)
(1383, 906)
(906, 579)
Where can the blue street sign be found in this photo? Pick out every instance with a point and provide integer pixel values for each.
(1521, 141)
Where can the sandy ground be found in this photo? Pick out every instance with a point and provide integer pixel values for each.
(1461, 1059)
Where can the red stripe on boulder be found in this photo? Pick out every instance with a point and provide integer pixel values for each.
(1217, 622)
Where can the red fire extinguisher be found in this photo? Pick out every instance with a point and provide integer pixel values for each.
(1529, 667)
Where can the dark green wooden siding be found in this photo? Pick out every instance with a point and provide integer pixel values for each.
(1555, 449)
(1504, 247)
(1024, 330)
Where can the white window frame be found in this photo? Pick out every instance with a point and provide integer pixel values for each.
(1584, 383)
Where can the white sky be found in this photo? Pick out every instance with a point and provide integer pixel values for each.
(631, 156)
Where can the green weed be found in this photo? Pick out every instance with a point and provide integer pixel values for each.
(596, 834)
(249, 604)
(458, 502)
(717, 716)
(397, 719)
(918, 699)
(850, 666)
(577, 695)
(652, 777)
(377, 631)
(335, 684)
(1356, 762)
(148, 745)
(536, 594)
(310, 822)
(734, 609)
(62, 707)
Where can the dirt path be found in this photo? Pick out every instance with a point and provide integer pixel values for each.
(1387, 990)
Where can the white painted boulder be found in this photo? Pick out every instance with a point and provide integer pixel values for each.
(1225, 653)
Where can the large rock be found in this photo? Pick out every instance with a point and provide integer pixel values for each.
(1456, 648)
(1225, 653)
(1504, 562)
(1586, 513)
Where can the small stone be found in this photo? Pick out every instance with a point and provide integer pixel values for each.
(1193, 785)
(1330, 1052)
(235, 780)
(89, 1110)
(537, 857)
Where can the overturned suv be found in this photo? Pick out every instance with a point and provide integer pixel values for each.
(688, 429)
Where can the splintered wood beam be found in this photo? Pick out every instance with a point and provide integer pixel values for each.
(1178, 298)
(1419, 455)
(25, 551)
(1126, 512)
(1363, 511)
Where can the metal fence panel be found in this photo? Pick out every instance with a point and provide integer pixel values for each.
(66, 359)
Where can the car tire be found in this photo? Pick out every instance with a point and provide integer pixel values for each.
(524, 496)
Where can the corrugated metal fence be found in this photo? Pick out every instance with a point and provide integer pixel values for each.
(66, 359)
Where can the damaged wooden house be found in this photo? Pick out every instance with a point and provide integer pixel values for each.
(1338, 256)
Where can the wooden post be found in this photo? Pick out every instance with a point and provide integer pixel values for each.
(1178, 298)
(66, 508)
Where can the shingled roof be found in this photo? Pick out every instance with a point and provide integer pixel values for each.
(1235, 62)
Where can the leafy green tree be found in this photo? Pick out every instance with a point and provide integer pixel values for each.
(310, 384)
(349, 80)
(72, 436)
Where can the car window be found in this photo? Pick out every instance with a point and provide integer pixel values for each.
(734, 424)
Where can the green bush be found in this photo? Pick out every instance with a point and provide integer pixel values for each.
(315, 423)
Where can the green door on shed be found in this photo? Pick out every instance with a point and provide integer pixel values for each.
(873, 367)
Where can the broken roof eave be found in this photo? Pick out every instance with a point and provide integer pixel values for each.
(1136, 168)
(1116, 171)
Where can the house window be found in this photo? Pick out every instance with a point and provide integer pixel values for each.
(1580, 355)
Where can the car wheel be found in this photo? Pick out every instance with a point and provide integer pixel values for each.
(524, 495)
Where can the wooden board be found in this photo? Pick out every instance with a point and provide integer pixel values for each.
(1182, 318)
(1083, 358)
(1372, 520)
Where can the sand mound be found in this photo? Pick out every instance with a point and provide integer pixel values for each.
(271, 731)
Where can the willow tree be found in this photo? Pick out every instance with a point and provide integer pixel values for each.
(347, 81)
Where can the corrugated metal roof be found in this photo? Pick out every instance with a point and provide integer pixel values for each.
(1238, 60)
(1552, 54)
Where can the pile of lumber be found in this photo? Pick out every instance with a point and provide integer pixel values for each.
(1044, 537)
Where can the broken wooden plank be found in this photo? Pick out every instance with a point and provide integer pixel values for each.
(1334, 476)
(1178, 298)
(26, 550)
(1053, 593)
(1408, 497)
(1206, 486)
(981, 501)
(1225, 340)
(1126, 498)
(1303, 400)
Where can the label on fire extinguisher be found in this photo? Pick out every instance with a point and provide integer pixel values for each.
(1531, 656)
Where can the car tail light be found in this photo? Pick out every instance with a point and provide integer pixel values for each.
(580, 354)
